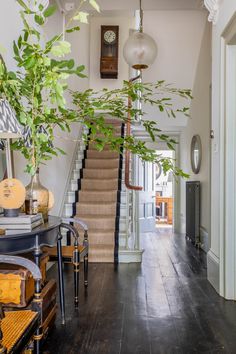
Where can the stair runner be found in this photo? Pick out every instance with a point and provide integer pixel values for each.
(99, 198)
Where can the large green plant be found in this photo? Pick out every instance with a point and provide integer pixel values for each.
(95, 107)
(37, 89)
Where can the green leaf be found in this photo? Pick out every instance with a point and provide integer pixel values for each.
(29, 63)
(61, 48)
(73, 29)
(95, 5)
(80, 68)
(81, 17)
(50, 11)
(25, 7)
(15, 49)
(39, 20)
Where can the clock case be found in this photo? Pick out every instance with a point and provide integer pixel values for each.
(109, 54)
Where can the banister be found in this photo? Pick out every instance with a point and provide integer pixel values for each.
(127, 152)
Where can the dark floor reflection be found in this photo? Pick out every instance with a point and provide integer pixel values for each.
(166, 305)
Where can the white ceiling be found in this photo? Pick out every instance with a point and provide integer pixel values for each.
(127, 5)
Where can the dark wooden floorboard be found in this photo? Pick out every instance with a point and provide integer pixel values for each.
(164, 306)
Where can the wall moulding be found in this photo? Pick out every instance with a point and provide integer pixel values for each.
(213, 6)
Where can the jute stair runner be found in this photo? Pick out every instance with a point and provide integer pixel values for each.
(97, 205)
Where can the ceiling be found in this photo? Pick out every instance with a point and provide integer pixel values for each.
(129, 5)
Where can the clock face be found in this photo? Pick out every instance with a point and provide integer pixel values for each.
(109, 36)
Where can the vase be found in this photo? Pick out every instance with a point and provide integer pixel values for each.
(37, 197)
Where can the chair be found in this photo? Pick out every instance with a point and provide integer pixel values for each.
(18, 328)
(73, 253)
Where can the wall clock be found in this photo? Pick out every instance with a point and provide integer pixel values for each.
(109, 52)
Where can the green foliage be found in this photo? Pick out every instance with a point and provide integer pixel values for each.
(37, 89)
(37, 93)
(90, 104)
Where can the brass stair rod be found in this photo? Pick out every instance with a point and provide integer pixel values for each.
(127, 152)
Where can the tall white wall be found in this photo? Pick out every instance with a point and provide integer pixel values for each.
(199, 123)
(178, 35)
(55, 174)
(227, 10)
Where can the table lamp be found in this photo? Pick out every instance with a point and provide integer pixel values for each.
(9, 128)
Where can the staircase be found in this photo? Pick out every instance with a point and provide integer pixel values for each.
(98, 200)
(97, 194)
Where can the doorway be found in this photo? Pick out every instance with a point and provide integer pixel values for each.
(164, 194)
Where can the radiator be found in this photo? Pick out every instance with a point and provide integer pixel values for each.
(193, 211)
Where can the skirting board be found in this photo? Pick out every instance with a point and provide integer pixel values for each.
(213, 270)
(130, 256)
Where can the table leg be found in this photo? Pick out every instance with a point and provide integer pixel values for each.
(37, 293)
(61, 280)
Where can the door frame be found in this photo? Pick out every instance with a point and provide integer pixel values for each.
(141, 135)
(227, 222)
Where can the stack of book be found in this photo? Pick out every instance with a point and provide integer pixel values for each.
(20, 224)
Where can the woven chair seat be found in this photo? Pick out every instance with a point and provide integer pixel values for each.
(67, 251)
(14, 325)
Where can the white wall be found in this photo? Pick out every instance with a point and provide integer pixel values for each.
(54, 175)
(199, 123)
(124, 23)
(178, 35)
(10, 24)
(216, 254)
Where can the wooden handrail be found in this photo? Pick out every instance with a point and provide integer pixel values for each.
(127, 152)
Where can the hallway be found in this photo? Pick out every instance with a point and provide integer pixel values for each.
(164, 306)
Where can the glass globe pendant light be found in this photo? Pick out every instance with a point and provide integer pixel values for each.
(140, 50)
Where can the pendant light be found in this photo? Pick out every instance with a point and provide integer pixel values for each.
(140, 50)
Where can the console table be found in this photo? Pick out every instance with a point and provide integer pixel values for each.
(32, 241)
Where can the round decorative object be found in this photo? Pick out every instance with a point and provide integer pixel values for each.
(158, 171)
(109, 36)
(196, 153)
(12, 193)
(140, 50)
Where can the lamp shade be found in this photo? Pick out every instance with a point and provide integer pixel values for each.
(140, 50)
(9, 125)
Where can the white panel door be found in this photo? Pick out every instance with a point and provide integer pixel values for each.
(147, 207)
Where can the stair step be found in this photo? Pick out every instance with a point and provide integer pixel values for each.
(101, 253)
(100, 174)
(104, 154)
(97, 196)
(99, 223)
(99, 237)
(114, 121)
(92, 146)
(105, 209)
(102, 184)
(102, 163)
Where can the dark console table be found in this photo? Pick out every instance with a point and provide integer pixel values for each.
(32, 241)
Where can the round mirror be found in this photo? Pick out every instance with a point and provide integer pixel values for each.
(158, 171)
(196, 153)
